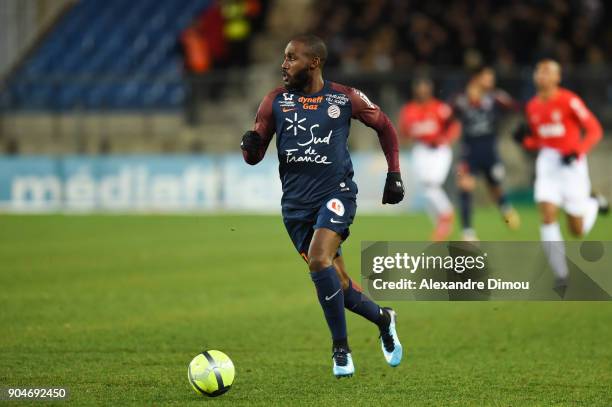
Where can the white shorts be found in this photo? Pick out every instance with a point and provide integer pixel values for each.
(566, 186)
(431, 165)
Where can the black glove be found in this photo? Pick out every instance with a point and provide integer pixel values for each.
(251, 142)
(521, 131)
(394, 189)
(568, 159)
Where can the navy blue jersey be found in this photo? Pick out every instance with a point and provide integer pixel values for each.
(312, 140)
(479, 121)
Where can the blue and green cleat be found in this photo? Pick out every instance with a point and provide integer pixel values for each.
(343, 363)
(391, 346)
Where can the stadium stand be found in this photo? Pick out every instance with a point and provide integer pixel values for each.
(383, 35)
(110, 77)
(96, 45)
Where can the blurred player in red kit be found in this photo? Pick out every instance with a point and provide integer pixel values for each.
(428, 122)
(564, 130)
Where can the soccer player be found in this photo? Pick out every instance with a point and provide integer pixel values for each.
(556, 117)
(311, 118)
(428, 122)
(479, 110)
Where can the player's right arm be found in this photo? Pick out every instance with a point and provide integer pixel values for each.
(454, 120)
(255, 142)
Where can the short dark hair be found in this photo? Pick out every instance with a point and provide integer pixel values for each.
(548, 60)
(417, 80)
(476, 71)
(316, 46)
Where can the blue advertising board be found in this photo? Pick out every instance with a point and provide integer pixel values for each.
(166, 183)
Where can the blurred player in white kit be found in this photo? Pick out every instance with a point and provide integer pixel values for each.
(428, 122)
(564, 130)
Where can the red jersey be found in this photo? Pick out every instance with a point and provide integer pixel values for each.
(428, 122)
(558, 123)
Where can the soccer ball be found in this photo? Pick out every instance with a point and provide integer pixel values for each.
(211, 373)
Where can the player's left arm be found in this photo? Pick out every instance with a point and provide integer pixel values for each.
(589, 123)
(369, 114)
(451, 126)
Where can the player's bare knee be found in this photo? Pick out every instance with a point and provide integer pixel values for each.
(466, 188)
(548, 213)
(466, 183)
(318, 262)
(575, 232)
(575, 228)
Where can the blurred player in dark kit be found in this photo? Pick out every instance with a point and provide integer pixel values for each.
(479, 109)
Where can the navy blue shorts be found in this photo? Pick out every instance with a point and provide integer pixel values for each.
(336, 213)
(482, 158)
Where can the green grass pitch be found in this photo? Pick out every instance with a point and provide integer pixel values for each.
(115, 307)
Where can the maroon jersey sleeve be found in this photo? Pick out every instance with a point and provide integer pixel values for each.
(264, 126)
(371, 115)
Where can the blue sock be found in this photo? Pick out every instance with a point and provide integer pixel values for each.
(465, 200)
(360, 304)
(331, 298)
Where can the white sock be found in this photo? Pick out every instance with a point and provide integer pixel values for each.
(438, 200)
(554, 248)
(590, 216)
